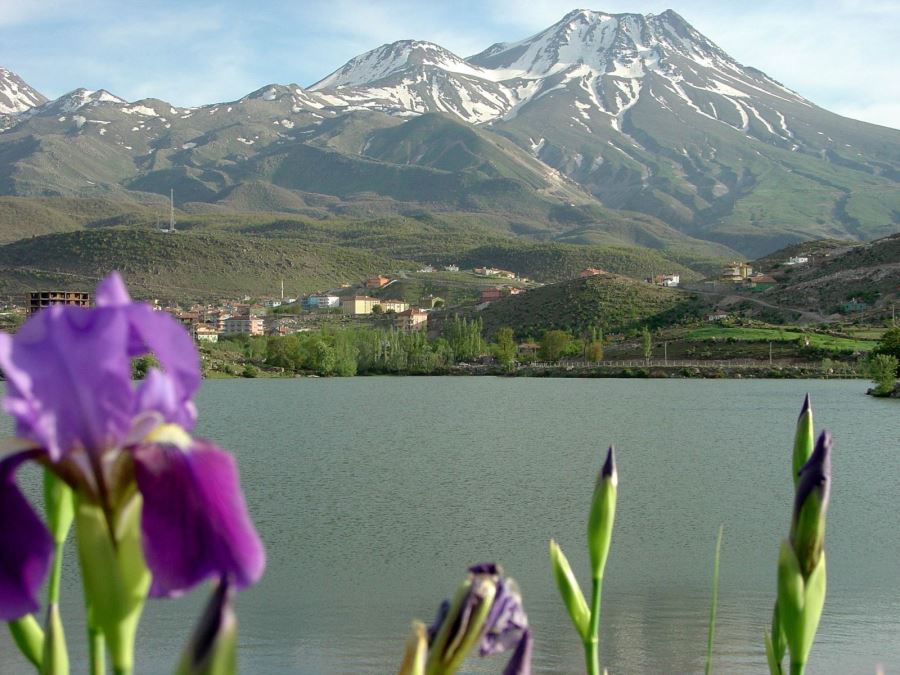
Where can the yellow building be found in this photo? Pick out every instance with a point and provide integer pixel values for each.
(393, 305)
(358, 304)
(411, 319)
(736, 272)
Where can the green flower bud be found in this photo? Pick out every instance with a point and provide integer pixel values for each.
(416, 654)
(810, 506)
(212, 648)
(804, 439)
(462, 627)
(570, 591)
(29, 638)
(59, 504)
(603, 514)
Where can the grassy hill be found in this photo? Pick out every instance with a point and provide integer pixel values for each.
(608, 301)
(183, 265)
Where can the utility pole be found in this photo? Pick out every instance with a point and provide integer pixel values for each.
(666, 353)
(770, 353)
(171, 210)
(282, 290)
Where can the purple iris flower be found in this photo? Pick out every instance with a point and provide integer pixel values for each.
(77, 412)
(505, 628)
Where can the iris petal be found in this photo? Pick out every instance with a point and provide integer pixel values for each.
(68, 378)
(25, 545)
(194, 519)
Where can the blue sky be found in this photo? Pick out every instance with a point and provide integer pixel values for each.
(841, 54)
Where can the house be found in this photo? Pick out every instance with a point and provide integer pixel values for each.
(187, 319)
(494, 272)
(736, 272)
(358, 304)
(321, 302)
(528, 349)
(411, 319)
(516, 291)
(205, 333)
(761, 281)
(718, 315)
(854, 305)
(39, 299)
(589, 272)
(427, 269)
(271, 303)
(489, 295)
(667, 280)
(376, 282)
(797, 260)
(393, 305)
(451, 268)
(244, 324)
(430, 301)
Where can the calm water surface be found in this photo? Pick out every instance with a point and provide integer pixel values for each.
(373, 495)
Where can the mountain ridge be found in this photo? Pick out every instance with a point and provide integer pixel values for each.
(627, 113)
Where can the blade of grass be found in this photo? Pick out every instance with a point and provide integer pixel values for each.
(712, 605)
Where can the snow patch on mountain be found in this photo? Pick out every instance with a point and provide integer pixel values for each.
(16, 96)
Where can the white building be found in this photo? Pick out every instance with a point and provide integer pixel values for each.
(322, 302)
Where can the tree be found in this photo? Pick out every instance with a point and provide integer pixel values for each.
(883, 371)
(647, 343)
(889, 344)
(553, 344)
(593, 352)
(505, 347)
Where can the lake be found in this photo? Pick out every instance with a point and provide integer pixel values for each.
(372, 496)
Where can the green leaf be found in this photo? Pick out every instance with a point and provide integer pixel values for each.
(814, 601)
(791, 599)
(713, 602)
(570, 591)
(774, 662)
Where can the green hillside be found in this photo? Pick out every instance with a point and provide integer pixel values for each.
(611, 302)
(183, 265)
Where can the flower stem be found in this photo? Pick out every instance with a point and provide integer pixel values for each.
(56, 573)
(592, 644)
(97, 647)
(798, 668)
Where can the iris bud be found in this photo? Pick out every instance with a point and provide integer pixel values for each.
(810, 506)
(804, 439)
(416, 654)
(462, 627)
(212, 648)
(602, 515)
(29, 638)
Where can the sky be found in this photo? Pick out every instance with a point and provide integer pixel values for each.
(840, 54)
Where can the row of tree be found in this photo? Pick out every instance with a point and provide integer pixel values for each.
(350, 351)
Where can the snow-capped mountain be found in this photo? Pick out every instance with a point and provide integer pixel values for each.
(16, 95)
(640, 113)
(607, 55)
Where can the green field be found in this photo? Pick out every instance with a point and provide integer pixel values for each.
(776, 335)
